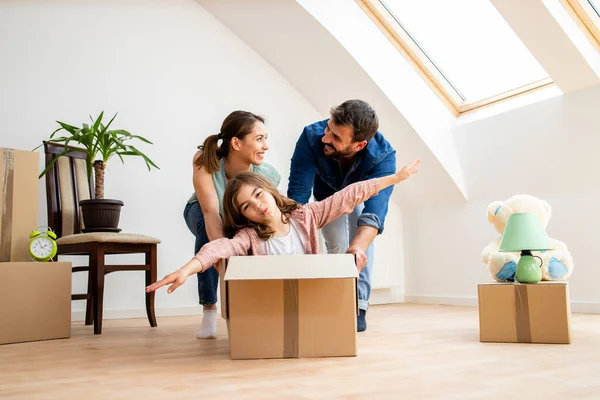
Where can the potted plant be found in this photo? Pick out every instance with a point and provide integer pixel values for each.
(100, 144)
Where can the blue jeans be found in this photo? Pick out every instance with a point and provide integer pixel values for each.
(338, 234)
(208, 280)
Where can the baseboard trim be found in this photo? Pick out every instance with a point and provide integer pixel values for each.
(378, 296)
(443, 300)
(141, 313)
(586, 307)
(387, 296)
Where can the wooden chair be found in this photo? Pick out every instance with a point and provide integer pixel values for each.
(66, 184)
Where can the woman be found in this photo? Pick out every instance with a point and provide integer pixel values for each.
(243, 145)
(261, 221)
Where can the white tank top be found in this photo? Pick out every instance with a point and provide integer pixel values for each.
(289, 244)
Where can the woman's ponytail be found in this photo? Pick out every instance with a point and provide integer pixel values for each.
(210, 156)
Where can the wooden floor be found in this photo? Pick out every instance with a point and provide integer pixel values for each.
(408, 352)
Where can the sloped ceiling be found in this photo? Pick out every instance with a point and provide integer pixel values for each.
(319, 67)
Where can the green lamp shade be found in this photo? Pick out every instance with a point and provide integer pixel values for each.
(524, 231)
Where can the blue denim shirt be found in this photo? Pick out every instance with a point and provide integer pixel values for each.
(311, 170)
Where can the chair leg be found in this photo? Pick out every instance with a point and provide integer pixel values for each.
(151, 274)
(98, 296)
(89, 313)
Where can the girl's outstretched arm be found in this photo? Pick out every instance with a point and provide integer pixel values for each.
(344, 201)
(406, 172)
(208, 255)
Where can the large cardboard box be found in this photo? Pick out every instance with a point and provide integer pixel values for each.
(35, 301)
(524, 313)
(290, 306)
(19, 172)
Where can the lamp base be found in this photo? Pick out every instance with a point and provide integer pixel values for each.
(528, 270)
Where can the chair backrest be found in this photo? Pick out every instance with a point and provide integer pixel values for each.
(66, 184)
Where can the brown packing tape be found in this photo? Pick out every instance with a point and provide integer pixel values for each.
(291, 324)
(523, 323)
(8, 162)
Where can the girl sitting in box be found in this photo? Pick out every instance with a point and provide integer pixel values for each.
(258, 220)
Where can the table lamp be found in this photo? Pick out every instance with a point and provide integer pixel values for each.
(524, 232)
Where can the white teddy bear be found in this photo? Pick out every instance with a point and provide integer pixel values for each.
(557, 263)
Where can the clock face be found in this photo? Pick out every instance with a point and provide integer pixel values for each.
(42, 247)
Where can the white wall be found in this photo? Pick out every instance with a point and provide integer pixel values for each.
(549, 150)
(173, 72)
(315, 50)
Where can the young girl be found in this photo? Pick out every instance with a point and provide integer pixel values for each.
(243, 145)
(261, 221)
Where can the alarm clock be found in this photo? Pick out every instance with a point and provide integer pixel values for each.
(42, 246)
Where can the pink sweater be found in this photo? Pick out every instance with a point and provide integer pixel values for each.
(309, 219)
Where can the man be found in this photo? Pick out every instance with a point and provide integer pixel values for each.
(330, 155)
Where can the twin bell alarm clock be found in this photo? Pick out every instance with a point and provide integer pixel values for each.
(42, 245)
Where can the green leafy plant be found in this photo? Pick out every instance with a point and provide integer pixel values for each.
(98, 141)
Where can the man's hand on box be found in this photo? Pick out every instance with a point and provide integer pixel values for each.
(359, 255)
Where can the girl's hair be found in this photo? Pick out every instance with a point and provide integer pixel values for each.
(237, 124)
(233, 220)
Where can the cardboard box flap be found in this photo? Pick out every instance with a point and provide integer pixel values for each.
(307, 266)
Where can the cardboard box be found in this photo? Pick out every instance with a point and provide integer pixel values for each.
(290, 306)
(19, 172)
(524, 313)
(35, 301)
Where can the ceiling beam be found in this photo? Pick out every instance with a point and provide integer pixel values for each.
(542, 34)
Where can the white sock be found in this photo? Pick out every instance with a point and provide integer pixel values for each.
(208, 327)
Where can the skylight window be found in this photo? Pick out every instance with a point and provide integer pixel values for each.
(587, 14)
(464, 48)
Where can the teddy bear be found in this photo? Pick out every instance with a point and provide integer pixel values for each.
(557, 263)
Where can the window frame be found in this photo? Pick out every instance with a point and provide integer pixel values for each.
(431, 73)
(584, 21)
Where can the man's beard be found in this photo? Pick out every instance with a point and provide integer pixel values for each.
(337, 154)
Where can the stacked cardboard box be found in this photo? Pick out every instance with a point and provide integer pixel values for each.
(35, 301)
(18, 202)
(35, 298)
